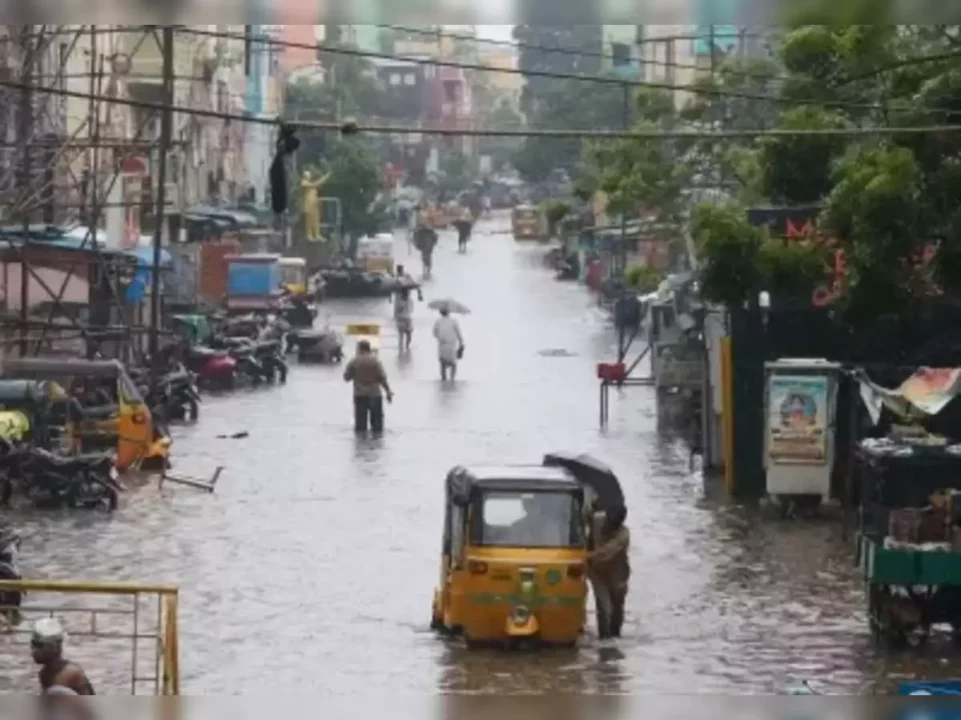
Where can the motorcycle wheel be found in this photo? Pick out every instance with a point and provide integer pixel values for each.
(193, 410)
(282, 374)
(6, 492)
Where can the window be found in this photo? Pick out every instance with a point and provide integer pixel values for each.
(620, 54)
(536, 519)
(395, 79)
(410, 79)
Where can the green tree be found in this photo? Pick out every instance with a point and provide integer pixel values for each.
(642, 174)
(503, 150)
(567, 105)
(455, 166)
(889, 201)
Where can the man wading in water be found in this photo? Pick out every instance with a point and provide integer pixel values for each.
(56, 673)
(369, 378)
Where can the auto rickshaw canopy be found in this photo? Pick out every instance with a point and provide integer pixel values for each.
(20, 391)
(65, 371)
(464, 484)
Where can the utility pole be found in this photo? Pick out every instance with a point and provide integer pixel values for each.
(28, 44)
(166, 130)
(621, 265)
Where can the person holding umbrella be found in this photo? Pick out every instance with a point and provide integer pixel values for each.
(450, 340)
(609, 571)
(608, 566)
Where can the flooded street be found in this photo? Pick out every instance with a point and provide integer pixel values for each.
(313, 564)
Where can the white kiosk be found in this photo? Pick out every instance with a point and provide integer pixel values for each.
(799, 431)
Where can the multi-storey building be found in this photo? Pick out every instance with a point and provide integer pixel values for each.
(622, 52)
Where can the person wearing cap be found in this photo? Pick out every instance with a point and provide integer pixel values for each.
(609, 571)
(46, 646)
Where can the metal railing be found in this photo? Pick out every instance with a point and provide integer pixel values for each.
(104, 614)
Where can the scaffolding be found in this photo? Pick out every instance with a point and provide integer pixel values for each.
(90, 146)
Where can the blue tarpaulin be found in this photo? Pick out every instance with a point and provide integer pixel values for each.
(138, 286)
(942, 687)
(141, 279)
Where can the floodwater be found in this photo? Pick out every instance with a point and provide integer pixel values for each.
(313, 564)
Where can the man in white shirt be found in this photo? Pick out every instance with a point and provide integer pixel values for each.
(450, 344)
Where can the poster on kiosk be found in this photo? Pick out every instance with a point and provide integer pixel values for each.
(799, 429)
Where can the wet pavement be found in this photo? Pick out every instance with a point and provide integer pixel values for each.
(313, 564)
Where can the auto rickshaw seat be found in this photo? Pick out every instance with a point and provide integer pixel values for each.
(100, 412)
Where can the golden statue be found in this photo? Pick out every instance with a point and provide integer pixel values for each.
(310, 204)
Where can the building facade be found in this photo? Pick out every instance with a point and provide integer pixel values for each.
(622, 51)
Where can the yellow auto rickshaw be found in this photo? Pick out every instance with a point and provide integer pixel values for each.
(126, 425)
(293, 275)
(514, 556)
(528, 223)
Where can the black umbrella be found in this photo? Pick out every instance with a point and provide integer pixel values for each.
(593, 473)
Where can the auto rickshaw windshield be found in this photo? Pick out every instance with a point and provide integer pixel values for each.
(529, 519)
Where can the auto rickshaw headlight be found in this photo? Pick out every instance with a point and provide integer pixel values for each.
(520, 615)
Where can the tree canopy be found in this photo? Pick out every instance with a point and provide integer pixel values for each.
(889, 233)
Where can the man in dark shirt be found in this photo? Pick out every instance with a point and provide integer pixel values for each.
(46, 646)
(367, 374)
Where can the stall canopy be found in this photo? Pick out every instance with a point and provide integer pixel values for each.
(927, 392)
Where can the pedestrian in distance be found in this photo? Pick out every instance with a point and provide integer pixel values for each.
(450, 344)
(408, 282)
(367, 374)
(609, 570)
(404, 317)
(46, 646)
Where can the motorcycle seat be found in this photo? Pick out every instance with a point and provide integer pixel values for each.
(205, 353)
(100, 412)
(266, 345)
(68, 461)
(175, 378)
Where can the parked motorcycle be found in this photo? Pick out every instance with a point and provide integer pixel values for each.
(176, 396)
(10, 600)
(214, 368)
(299, 314)
(79, 481)
(325, 346)
(270, 353)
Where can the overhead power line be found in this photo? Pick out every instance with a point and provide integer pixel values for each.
(328, 126)
(517, 45)
(613, 81)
